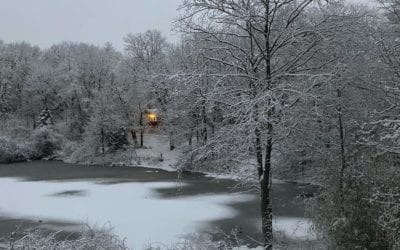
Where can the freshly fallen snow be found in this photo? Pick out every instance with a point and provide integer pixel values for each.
(298, 229)
(156, 145)
(294, 228)
(131, 208)
(236, 177)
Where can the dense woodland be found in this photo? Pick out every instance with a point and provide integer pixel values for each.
(296, 89)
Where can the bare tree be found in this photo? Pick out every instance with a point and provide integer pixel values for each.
(145, 51)
(267, 46)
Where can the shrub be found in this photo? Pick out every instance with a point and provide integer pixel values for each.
(366, 214)
(10, 151)
(89, 239)
(46, 141)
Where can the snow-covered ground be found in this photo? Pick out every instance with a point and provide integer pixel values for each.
(157, 145)
(154, 154)
(294, 228)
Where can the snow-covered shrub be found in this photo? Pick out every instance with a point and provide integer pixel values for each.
(78, 153)
(92, 239)
(8, 151)
(117, 139)
(105, 131)
(195, 242)
(225, 153)
(89, 239)
(46, 141)
(366, 214)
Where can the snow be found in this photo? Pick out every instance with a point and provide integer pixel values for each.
(298, 229)
(236, 177)
(294, 228)
(149, 156)
(155, 146)
(131, 208)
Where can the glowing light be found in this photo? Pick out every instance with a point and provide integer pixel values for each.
(152, 117)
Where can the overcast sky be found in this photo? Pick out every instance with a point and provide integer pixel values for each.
(46, 22)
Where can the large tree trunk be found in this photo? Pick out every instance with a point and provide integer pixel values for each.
(266, 200)
(264, 175)
(265, 178)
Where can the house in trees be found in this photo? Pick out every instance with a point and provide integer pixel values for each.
(152, 117)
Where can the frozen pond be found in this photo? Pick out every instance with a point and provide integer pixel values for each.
(138, 207)
(133, 209)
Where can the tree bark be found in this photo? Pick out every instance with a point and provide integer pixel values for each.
(134, 137)
(264, 175)
(141, 137)
(342, 147)
(204, 124)
(266, 200)
(190, 139)
(171, 141)
(141, 128)
(102, 142)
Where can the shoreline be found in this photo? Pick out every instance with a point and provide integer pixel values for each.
(155, 168)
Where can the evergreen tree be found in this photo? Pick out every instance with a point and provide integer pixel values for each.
(45, 118)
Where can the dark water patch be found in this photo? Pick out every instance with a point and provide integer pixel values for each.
(56, 170)
(72, 193)
(196, 187)
(244, 225)
(19, 226)
(287, 202)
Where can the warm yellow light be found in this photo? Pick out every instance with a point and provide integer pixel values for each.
(152, 117)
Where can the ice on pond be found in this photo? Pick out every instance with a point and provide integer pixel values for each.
(134, 209)
(131, 208)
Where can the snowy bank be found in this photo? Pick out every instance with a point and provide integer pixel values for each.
(154, 154)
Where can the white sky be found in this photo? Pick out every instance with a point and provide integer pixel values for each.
(46, 22)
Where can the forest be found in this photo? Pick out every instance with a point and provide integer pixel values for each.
(299, 90)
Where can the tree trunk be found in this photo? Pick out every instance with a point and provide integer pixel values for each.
(141, 128)
(102, 142)
(134, 137)
(141, 137)
(204, 125)
(264, 175)
(190, 139)
(266, 201)
(33, 121)
(264, 168)
(171, 141)
(342, 147)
